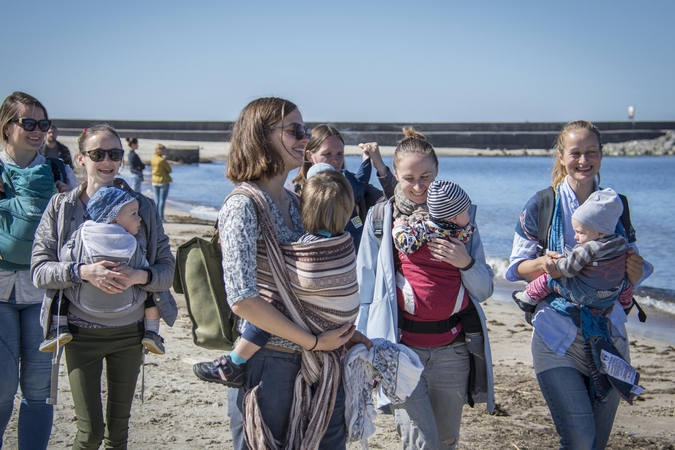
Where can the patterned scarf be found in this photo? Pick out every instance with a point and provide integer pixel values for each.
(315, 285)
(405, 207)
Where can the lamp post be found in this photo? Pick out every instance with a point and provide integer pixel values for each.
(631, 116)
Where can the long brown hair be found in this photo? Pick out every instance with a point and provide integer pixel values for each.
(559, 170)
(251, 156)
(319, 134)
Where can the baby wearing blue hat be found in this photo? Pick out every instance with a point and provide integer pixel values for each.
(594, 271)
(108, 236)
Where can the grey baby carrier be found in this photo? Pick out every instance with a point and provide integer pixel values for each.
(92, 243)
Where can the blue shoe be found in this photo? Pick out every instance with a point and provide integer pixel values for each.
(153, 342)
(222, 371)
(57, 337)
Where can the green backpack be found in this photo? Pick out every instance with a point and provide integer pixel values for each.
(199, 277)
(27, 193)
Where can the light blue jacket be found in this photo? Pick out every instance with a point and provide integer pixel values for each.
(378, 317)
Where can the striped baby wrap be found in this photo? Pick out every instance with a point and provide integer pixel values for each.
(315, 285)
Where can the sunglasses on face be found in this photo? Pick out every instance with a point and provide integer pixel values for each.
(98, 155)
(30, 124)
(298, 130)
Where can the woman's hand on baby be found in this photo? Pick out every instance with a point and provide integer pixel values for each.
(372, 150)
(359, 338)
(103, 276)
(634, 269)
(452, 252)
(548, 264)
(131, 276)
(332, 339)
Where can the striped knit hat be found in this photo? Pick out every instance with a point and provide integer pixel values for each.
(446, 199)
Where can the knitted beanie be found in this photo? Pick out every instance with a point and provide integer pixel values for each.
(446, 199)
(601, 211)
(106, 203)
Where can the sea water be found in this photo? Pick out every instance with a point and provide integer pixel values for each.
(500, 187)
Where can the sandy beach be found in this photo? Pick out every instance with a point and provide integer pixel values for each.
(181, 412)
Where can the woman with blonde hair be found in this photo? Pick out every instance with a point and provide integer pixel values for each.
(23, 126)
(161, 180)
(558, 344)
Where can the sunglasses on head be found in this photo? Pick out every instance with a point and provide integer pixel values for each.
(30, 124)
(298, 130)
(98, 155)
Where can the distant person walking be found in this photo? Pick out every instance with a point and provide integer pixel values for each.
(136, 166)
(54, 149)
(161, 179)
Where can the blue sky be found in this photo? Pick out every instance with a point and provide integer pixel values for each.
(375, 61)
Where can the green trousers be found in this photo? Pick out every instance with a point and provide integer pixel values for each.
(122, 352)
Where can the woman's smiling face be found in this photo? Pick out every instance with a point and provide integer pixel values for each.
(581, 155)
(415, 172)
(103, 172)
(20, 139)
(282, 139)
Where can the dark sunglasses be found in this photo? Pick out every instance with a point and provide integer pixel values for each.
(299, 131)
(98, 155)
(29, 124)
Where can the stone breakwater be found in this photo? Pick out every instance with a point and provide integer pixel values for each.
(663, 145)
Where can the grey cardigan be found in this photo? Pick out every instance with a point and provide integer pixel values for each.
(59, 222)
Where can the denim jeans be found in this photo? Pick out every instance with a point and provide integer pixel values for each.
(275, 373)
(432, 414)
(581, 424)
(21, 363)
(135, 181)
(161, 192)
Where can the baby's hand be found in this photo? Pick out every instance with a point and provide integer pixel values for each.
(400, 221)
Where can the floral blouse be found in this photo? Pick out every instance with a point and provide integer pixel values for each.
(239, 234)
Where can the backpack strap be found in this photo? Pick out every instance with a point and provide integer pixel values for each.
(378, 218)
(625, 220)
(58, 169)
(545, 203)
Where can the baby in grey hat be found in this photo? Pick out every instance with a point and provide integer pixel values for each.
(108, 236)
(594, 271)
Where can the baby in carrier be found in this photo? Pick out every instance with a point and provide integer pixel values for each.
(326, 205)
(448, 217)
(594, 271)
(108, 236)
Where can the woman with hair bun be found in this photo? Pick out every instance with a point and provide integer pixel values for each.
(430, 418)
